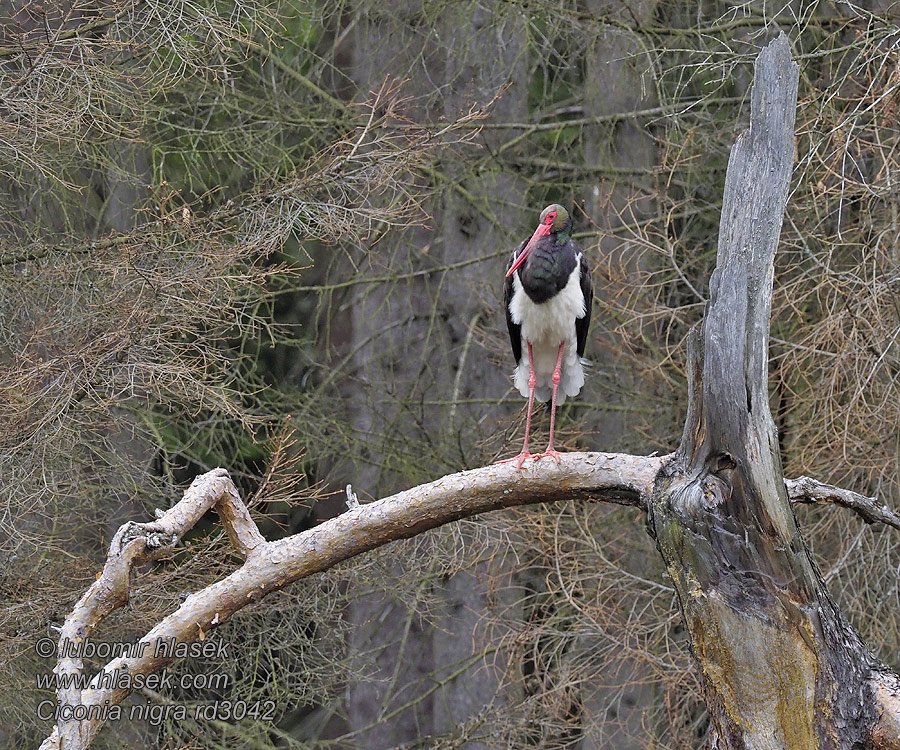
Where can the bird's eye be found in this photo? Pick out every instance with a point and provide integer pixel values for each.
(551, 218)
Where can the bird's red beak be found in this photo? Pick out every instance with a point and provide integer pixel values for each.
(542, 231)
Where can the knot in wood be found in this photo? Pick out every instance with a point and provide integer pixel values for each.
(698, 495)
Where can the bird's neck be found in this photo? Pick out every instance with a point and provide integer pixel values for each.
(547, 269)
(563, 236)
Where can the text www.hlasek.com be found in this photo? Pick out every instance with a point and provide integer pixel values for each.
(120, 679)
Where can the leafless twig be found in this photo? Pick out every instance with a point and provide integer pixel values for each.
(807, 490)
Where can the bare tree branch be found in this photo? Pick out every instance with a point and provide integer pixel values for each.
(807, 490)
(269, 566)
(137, 543)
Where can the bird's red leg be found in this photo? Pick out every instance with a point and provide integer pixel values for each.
(556, 379)
(532, 382)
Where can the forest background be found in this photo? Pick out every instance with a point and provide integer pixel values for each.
(271, 237)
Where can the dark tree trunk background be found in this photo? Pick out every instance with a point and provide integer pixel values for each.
(415, 343)
(781, 668)
(617, 68)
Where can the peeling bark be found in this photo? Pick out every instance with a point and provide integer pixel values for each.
(886, 730)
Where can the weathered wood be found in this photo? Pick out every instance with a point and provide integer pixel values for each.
(806, 490)
(616, 478)
(780, 666)
(269, 566)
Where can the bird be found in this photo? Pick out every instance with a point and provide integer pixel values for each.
(547, 295)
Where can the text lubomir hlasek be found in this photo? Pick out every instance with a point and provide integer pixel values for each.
(163, 648)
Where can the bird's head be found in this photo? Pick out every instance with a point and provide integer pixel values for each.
(556, 217)
(554, 220)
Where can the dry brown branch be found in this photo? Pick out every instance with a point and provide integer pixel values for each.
(269, 566)
(807, 490)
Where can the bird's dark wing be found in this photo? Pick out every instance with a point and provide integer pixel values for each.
(587, 290)
(515, 330)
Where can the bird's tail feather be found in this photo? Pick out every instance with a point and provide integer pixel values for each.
(570, 385)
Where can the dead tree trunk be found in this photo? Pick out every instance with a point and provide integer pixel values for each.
(780, 666)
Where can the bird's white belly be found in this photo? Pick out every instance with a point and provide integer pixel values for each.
(545, 326)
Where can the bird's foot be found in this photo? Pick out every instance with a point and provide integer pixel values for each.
(520, 459)
(549, 452)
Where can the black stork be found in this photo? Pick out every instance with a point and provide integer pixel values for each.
(548, 297)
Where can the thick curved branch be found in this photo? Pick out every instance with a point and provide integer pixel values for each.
(269, 566)
(808, 490)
